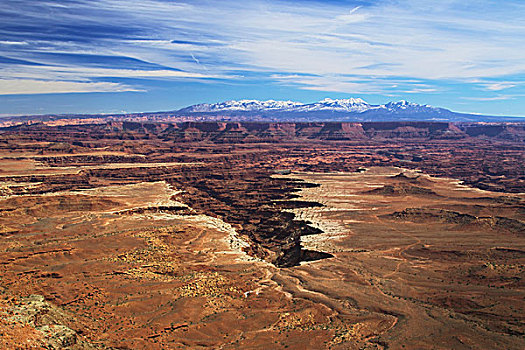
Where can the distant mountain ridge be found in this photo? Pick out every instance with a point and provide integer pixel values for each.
(352, 109)
(339, 105)
(327, 110)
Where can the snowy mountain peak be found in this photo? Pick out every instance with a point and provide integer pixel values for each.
(242, 105)
(349, 101)
(342, 105)
(401, 103)
(348, 106)
(405, 105)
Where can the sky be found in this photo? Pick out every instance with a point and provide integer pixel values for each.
(112, 56)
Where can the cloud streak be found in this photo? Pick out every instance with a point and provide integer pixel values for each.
(323, 46)
(34, 87)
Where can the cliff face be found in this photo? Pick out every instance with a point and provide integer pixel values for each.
(320, 130)
(253, 203)
(505, 131)
(239, 131)
(331, 130)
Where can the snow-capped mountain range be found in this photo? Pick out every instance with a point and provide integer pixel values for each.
(327, 109)
(244, 105)
(342, 105)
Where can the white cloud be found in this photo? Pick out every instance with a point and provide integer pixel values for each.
(15, 43)
(420, 90)
(352, 16)
(85, 75)
(127, 73)
(322, 83)
(352, 11)
(500, 86)
(452, 40)
(389, 40)
(26, 86)
(486, 99)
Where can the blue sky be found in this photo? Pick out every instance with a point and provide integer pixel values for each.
(108, 56)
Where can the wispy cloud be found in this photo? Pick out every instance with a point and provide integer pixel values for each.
(84, 74)
(352, 16)
(500, 86)
(28, 86)
(420, 90)
(493, 98)
(320, 45)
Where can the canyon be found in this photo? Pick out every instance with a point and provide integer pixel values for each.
(336, 235)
